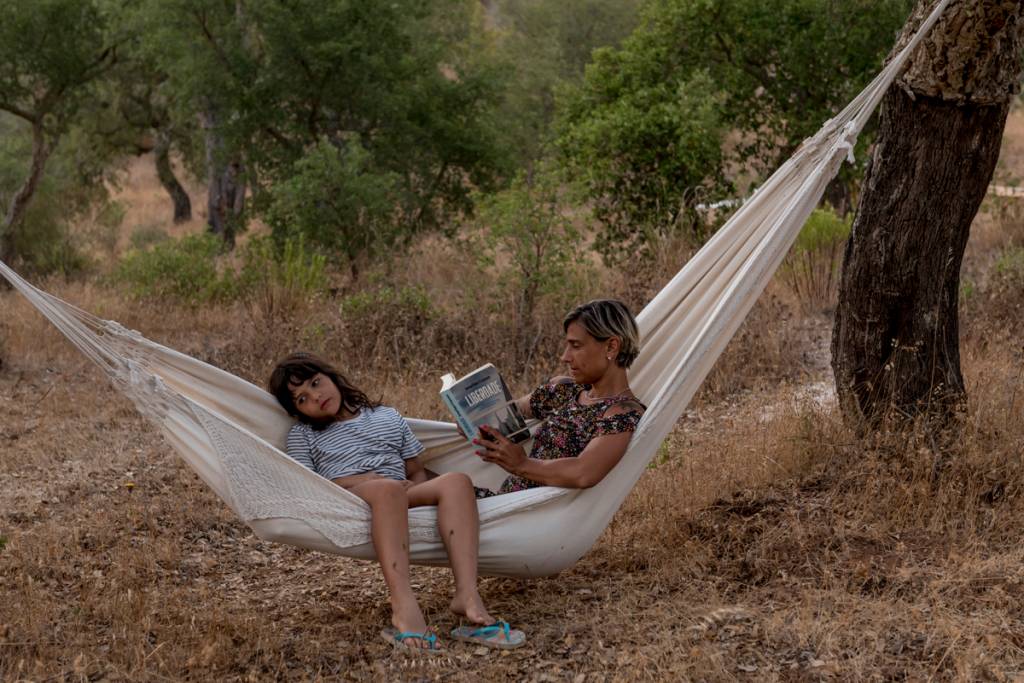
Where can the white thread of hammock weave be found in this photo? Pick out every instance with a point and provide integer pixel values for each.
(231, 433)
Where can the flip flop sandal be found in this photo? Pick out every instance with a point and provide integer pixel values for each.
(397, 639)
(497, 635)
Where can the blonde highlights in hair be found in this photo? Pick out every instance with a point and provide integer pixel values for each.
(607, 318)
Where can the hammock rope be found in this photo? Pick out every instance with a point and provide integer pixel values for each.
(232, 433)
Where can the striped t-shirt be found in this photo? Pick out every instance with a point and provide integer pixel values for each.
(376, 440)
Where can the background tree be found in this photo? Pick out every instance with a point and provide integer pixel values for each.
(72, 187)
(895, 344)
(528, 238)
(142, 122)
(271, 82)
(705, 96)
(51, 54)
(546, 45)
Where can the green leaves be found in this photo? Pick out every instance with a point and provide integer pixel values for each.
(646, 152)
(380, 93)
(707, 96)
(337, 199)
(184, 270)
(48, 48)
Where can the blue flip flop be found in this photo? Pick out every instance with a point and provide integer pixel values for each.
(398, 638)
(498, 635)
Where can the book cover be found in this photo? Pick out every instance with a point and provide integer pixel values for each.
(480, 398)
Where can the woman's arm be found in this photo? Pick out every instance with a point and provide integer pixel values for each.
(584, 471)
(523, 402)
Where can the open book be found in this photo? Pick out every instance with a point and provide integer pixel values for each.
(480, 398)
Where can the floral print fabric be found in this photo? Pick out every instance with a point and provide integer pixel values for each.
(569, 425)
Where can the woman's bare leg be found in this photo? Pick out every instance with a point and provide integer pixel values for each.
(459, 525)
(389, 529)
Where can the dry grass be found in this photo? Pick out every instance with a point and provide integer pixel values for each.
(764, 543)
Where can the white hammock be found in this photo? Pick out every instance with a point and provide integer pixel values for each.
(232, 433)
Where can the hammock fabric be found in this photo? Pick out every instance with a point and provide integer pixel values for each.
(231, 433)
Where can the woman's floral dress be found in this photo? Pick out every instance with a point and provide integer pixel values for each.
(569, 425)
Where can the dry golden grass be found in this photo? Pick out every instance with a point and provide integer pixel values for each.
(764, 543)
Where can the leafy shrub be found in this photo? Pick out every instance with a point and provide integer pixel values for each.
(530, 244)
(387, 321)
(184, 270)
(811, 270)
(645, 157)
(1009, 267)
(146, 236)
(279, 279)
(336, 200)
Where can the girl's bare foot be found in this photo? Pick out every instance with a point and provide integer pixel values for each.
(472, 608)
(410, 620)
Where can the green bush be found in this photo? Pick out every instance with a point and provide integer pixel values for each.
(336, 200)
(645, 157)
(811, 269)
(278, 279)
(1010, 264)
(184, 270)
(389, 322)
(145, 236)
(413, 300)
(532, 251)
(291, 265)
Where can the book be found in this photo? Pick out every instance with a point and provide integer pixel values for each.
(482, 398)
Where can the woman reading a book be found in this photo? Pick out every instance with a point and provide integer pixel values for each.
(590, 415)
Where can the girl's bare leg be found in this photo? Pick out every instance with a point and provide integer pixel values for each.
(459, 524)
(389, 529)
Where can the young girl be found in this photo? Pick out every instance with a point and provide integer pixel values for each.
(369, 449)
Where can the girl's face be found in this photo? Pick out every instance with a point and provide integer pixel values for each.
(317, 398)
(586, 357)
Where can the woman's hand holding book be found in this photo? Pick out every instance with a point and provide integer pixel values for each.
(499, 450)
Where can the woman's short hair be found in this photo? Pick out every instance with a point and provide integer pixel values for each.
(607, 318)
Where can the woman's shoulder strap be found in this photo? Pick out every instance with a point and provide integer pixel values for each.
(625, 405)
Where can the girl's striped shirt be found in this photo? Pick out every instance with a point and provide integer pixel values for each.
(376, 440)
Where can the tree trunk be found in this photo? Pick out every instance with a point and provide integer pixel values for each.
(41, 150)
(895, 345)
(226, 197)
(165, 172)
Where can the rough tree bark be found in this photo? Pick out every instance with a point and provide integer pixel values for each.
(895, 345)
(165, 172)
(226, 187)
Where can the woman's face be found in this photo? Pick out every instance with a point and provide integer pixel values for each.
(586, 357)
(317, 398)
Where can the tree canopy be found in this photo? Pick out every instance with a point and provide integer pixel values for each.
(358, 124)
(708, 95)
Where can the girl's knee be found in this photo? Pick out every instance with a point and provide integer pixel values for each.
(457, 481)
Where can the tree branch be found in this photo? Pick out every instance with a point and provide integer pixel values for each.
(19, 112)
